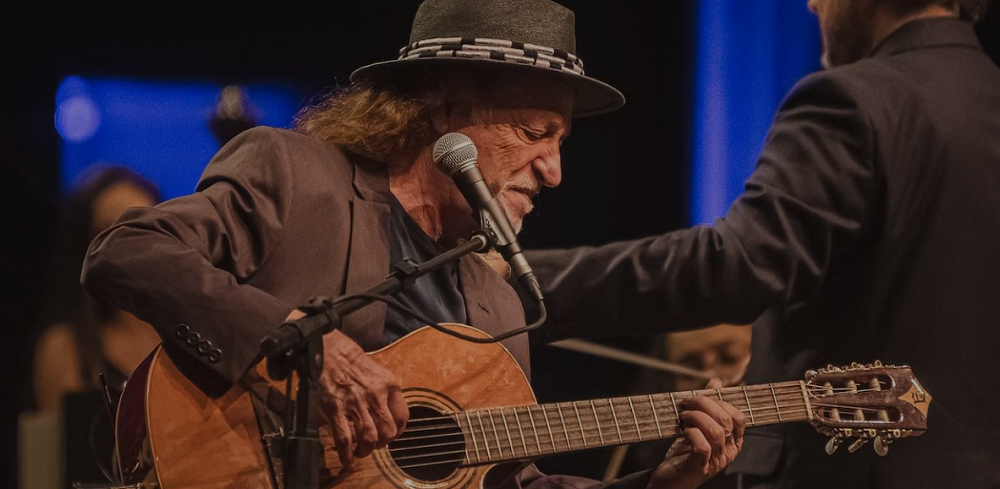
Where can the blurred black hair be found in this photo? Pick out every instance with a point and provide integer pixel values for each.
(65, 301)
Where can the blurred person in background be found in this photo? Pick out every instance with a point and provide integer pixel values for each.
(721, 351)
(84, 336)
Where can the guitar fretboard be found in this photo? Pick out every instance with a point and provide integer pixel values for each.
(513, 433)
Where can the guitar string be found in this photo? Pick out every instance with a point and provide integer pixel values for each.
(510, 447)
(737, 395)
(462, 461)
(590, 426)
(766, 397)
(456, 430)
(785, 402)
(765, 394)
(555, 443)
(666, 418)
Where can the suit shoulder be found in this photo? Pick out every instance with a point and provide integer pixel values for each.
(854, 79)
(290, 139)
(297, 148)
(870, 86)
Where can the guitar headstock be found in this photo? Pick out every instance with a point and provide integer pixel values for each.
(867, 402)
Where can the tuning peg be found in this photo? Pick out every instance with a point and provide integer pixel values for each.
(832, 445)
(857, 444)
(881, 445)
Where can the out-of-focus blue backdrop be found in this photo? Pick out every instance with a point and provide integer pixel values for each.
(158, 128)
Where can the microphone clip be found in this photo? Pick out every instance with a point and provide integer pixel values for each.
(497, 235)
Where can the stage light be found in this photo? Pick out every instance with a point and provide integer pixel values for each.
(77, 118)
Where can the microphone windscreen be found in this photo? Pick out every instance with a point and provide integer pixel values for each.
(453, 152)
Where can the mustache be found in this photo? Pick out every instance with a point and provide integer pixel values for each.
(524, 184)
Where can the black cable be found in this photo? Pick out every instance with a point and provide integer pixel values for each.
(542, 315)
(95, 420)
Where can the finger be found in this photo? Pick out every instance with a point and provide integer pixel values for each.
(400, 411)
(366, 433)
(701, 449)
(739, 422)
(714, 383)
(680, 446)
(712, 408)
(714, 434)
(342, 440)
(384, 424)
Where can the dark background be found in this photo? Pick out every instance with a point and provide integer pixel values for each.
(625, 173)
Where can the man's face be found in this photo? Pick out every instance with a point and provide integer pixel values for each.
(846, 28)
(519, 148)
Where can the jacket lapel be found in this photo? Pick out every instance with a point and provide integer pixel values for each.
(368, 258)
(493, 306)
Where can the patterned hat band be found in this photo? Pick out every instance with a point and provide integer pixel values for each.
(495, 49)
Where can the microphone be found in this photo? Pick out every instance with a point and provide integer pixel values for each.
(455, 155)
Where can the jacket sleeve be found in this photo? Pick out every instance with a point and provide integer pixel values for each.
(803, 208)
(182, 266)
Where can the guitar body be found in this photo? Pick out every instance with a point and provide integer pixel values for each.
(170, 432)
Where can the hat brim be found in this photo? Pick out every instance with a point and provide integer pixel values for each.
(593, 96)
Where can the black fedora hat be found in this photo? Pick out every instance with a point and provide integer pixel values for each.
(530, 36)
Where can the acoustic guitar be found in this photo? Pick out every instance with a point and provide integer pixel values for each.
(471, 411)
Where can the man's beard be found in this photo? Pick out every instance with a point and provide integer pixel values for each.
(848, 36)
(516, 216)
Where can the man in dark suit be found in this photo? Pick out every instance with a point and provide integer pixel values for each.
(280, 216)
(869, 230)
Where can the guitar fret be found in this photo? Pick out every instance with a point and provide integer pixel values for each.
(496, 434)
(534, 429)
(676, 411)
(562, 420)
(805, 398)
(472, 433)
(656, 418)
(506, 428)
(486, 440)
(583, 435)
(614, 416)
(549, 428)
(719, 391)
(521, 430)
(749, 407)
(597, 421)
(775, 397)
(466, 445)
(636, 418)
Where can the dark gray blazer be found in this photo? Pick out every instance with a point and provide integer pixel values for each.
(278, 217)
(870, 229)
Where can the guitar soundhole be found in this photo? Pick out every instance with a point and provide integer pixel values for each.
(431, 447)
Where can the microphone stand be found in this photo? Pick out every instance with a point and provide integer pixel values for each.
(298, 345)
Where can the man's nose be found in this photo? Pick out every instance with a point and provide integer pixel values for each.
(548, 167)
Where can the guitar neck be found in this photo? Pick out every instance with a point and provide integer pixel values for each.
(516, 433)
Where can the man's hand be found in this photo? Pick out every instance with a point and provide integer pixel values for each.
(713, 436)
(361, 399)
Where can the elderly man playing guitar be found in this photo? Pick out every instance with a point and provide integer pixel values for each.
(325, 209)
